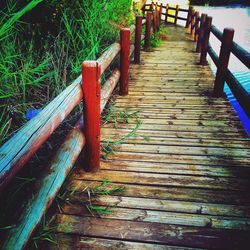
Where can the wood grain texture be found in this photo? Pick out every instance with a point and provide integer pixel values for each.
(185, 172)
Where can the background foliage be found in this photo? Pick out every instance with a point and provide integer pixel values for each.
(43, 43)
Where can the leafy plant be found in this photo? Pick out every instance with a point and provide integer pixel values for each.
(155, 41)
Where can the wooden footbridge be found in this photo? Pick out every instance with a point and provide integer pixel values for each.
(186, 172)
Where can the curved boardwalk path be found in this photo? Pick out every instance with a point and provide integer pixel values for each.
(187, 185)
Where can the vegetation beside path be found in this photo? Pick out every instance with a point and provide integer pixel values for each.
(43, 44)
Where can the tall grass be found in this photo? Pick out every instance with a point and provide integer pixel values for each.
(30, 74)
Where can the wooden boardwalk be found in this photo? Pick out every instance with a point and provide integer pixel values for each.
(187, 184)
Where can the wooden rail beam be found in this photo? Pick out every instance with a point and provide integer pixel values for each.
(124, 60)
(34, 133)
(108, 88)
(108, 56)
(59, 168)
(148, 30)
(138, 31)
(227, 41)
(91, 87)
(205, 41)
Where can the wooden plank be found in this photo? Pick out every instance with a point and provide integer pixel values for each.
(167, 127)
(171, 193)
(148, 114)
(182, 149)
(186, 159)
(66, 242)
(155, 232)
(173, 134)
(174, 98)
(163, 217)
(165, 180)
(175, 168)
(198, 208)
(174, 110)
(188, 142)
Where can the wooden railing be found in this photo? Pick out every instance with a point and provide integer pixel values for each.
(201, 27)
(15, 153)
(163, 10)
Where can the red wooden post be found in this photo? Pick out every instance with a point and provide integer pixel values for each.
(138, 29)
(201, 32)
(196, 26)
(91, 72)
(156, 16)
(205, 41)
(154, 21)
(160, 14)
(192, 22)
(176, 14)
(189, 17)
(148, 30)
(227, 41)
(124, 60)
(166, 17)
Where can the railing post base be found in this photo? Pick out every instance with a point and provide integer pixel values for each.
(91, 72)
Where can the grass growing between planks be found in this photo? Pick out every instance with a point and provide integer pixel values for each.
(86, 198)
(117, 117)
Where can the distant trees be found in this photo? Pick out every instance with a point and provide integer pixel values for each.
(219, 2)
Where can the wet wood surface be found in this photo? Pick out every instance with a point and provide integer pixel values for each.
(186, 172)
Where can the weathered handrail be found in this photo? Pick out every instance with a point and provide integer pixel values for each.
(241, 54)
(108, 56)
(34, 133)
(203, 28)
